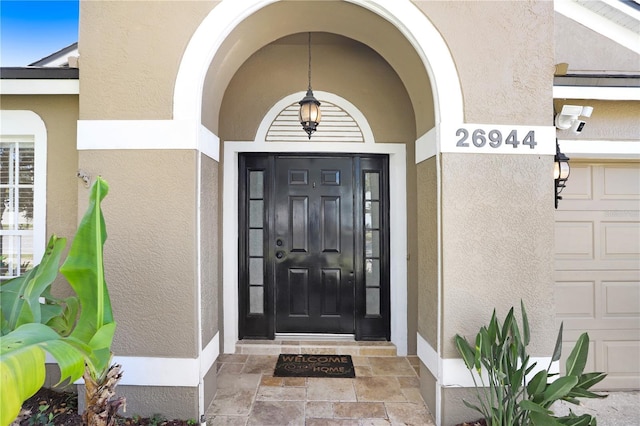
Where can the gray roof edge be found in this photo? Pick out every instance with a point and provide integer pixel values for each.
(55, 55)
(39, 73)
(597, 80)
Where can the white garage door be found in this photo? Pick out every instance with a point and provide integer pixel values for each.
(598, 268)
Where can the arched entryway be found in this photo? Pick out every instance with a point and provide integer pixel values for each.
(215, 54)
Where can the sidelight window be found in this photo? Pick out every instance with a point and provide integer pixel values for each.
(256, 242)
(372, 233)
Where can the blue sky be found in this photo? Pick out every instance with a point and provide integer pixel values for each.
(33, 29)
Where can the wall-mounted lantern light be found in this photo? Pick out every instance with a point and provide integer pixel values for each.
(567, 118)
(309, 106)
(561, 172)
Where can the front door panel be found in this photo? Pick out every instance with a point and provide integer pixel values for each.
(314, 245)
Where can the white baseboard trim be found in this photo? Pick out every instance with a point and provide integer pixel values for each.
(158, 371)
(452, 372)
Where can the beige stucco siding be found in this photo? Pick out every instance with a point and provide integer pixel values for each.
(586, 50)
(505, 64)
(332, 17)
(150, 253)
(209, 244)
(339, 65)
(130, 52)
(497, 227)
(427, 236)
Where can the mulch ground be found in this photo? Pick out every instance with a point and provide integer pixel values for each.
(53, 408)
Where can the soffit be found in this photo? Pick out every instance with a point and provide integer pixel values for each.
(626, 14)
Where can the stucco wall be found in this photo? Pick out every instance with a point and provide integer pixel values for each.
(427, 233)
(503, 51)
(209, 243)
(335, 17)
(150, 253)
(130, 52)
(497, 227)
(585, 50)
(339, 65)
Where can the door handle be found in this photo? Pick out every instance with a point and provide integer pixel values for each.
(279, 254)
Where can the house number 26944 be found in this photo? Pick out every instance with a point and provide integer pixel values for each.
(494, 138)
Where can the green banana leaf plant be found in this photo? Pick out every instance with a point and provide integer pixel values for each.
(29, 328)
(500, 366)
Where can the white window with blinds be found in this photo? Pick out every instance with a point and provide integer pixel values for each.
(22, 192)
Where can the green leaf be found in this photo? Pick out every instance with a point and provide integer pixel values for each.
(506, 327)
(20, 296)
(63, 324)
(478, 352)
(84, 270)
(24, 375)
(542, 419)
(557, 350)
(583, 393)
(465, 351)
(493, 327)
(538, 383)
(585, 381)
(573, 420)
(526, 333)
(525, 404)
(22, 364)
(558, 389)
(473, 407)
(578, 357)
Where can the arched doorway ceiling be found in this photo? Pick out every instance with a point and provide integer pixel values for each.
(396, 29)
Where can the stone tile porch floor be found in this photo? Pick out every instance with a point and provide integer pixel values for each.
(384, 392)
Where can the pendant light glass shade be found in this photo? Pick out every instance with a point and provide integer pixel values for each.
(310, 114)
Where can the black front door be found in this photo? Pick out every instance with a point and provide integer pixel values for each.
(313, 245)
(313, 237)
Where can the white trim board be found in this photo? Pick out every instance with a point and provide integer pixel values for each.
(398, 228)
(147, 134)
(39, 87)
(599, 93)
(600, 149)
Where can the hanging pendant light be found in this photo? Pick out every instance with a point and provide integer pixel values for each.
(309, 106)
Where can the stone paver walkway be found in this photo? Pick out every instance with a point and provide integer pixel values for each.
(384, 392)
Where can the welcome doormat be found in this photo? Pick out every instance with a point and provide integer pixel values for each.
(296, 365)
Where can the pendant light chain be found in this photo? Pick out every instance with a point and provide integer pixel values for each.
(309, 114)
(309, 46)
